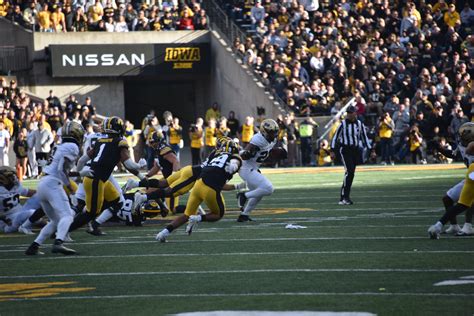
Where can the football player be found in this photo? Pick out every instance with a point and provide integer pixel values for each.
(51, 193)
(80, 195)
(466, 195)
(179, 182)
(453, 194)
(12, 213)
(208, 189)
(253, 156)
(104, 157)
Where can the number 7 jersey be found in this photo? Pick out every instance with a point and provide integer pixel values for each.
(264, 147)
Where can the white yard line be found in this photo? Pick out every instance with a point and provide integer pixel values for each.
(222, 254)
(101, 297)
(232, 240)
(255, 271)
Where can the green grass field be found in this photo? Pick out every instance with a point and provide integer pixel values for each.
(374, 256)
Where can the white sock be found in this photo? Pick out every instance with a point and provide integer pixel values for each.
(439, 225)
(104, 216)
(198, 217)
(63, 227)
(251, 205)
(27, 224)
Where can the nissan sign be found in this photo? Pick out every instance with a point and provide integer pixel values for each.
(128, 59)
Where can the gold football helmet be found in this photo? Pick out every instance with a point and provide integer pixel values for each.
(269, 129)
(113, 125)
(8, 178)
(73, 130)
(466, 133)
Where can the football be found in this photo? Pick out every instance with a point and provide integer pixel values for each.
(277, 153)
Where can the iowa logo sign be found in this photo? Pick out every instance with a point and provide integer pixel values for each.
(13, 291)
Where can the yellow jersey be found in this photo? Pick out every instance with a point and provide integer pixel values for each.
(247, 133)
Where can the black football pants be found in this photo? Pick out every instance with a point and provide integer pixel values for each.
(350, 156)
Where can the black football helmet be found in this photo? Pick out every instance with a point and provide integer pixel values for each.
(230, 147)
(113, 125)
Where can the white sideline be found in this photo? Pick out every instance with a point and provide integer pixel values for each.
(152, 255)
(200, 272)
(101, 297)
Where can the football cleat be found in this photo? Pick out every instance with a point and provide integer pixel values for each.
(244, 218)
(452, 229)
(130, 184)
(241, 199)
(192, 224)
(466, 230)
(345, 202)
(60, 248)
(95, 229)
(434, 232)
(33, 250)
(25, 230)
(161, 236)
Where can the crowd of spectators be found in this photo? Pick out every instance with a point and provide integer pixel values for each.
(412, 60)
(31, 128)
(105, 15)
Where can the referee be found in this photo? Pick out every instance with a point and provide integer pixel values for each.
(350, 136)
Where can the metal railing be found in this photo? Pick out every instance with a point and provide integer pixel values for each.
(13, 58)
(336, 118)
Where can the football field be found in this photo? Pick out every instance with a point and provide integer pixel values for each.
(374, 256)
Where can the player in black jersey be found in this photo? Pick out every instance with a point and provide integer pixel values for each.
(180, 182)
(208, 189)
(104, 156)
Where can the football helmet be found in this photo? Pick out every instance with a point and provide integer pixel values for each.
(230, 147)
(74, 131)
(150, 209)
(269, 129)
(8, 177)
(156, 137)
(113, 125)
(221, 141)
(466, 133)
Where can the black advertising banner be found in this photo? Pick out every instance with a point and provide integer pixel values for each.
(128, 59)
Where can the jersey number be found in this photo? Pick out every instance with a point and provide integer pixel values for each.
(101, 150)
(262, 156)
(219, 161)
(11, 202)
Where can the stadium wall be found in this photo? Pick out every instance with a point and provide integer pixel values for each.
(232, 84)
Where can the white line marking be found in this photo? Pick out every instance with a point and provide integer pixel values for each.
(288, 253)
(101, 297)
(232, 240)
(454, 282)
(147, 273)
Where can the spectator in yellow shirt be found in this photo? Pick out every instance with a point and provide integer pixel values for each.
(44, 19)
(213, 113)
(95, 13)
(452, 17)
(386, 128)
(58, 20)
(3, 8)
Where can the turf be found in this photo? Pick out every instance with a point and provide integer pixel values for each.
(374, 256)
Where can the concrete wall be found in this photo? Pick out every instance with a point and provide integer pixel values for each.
(233, 86)
(15, 35)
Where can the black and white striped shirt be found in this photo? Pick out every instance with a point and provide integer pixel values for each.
(351, 134)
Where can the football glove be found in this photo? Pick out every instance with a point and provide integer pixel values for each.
(86, 172)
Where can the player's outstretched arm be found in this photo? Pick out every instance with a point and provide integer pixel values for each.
(249, 152)
(129, 164)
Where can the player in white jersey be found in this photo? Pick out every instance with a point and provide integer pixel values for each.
(453, 194)
(51, 192)
(253, 156)
(463, 195)
(12, 213)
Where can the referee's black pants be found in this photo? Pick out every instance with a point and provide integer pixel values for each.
(350, 157)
